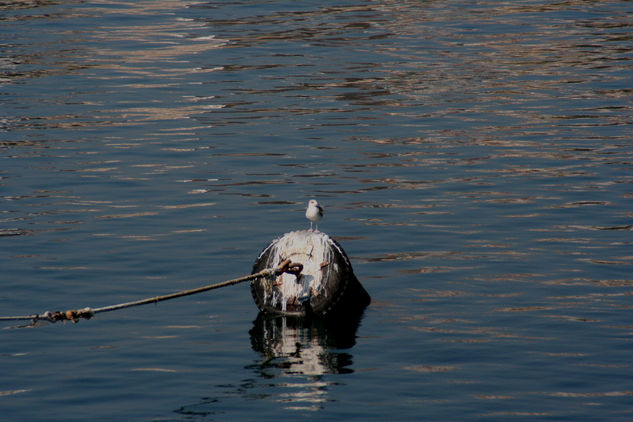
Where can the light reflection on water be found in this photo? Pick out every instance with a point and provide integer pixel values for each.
(474, 160)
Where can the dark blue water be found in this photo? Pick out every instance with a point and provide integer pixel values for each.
(475, 161)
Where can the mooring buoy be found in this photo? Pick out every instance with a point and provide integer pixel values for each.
(320, 283)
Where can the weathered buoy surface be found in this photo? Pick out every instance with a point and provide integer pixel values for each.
(325, 287)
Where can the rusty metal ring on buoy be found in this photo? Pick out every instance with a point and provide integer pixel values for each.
(287, 266)
(294, 268)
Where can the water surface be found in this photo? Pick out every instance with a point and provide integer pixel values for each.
(474, 159)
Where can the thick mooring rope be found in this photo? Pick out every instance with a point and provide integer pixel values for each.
(87, 313)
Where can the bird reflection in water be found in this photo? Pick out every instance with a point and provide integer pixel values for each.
(301, 351)
(296, 355)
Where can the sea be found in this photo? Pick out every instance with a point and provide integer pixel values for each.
(474, 160)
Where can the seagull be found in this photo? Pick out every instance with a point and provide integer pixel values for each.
(314, 213)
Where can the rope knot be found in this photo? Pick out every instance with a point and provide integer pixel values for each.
(69, 315)
(287, 266)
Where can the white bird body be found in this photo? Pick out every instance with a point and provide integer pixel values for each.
(314, 213)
